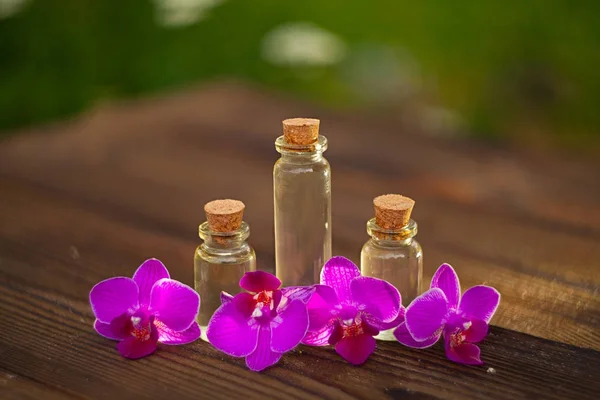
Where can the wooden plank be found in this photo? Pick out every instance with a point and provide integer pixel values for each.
(14, 386)
(50, 340)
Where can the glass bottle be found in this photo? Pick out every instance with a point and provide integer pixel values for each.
(223, 257)
(392, 253)
(302, 202)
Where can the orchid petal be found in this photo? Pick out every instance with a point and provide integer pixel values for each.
(133, 348)
(466, 353)
(289, 327)
(263, 356)
(232, 331)
(446, 279)
(226, 298)
(174, 303)
(106, 331)
(303, 293)
(403, 336)
(171, 337)
(370, 329)
(258, 281)
(376, 322)
(318, 318)
(277, 302)
(479, 302)
(426, 314)
(325, 294)
(321, 307)
(336, 334)
(384, 326)
(380, 298)
(113, 297)
(319, 337)
(356, 349)
(338, 272)
(245, 303)
(456, 320)
(476, 332)
(348, 312)
(147, 275)
(122, 325)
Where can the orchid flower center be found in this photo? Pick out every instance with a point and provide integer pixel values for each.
(352, 327)
(459, 336)
(263, 303)
(263, 297)
(141, 330)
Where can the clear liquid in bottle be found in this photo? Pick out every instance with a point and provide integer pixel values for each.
(392, 253)
(223, 258)
(302, 203)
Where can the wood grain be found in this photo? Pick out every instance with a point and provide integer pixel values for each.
(50, 340)
(98, 195)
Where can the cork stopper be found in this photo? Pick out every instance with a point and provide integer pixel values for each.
(224, 215)
(392, 211)
(301, 131)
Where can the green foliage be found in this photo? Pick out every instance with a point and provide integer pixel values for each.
(504, 66)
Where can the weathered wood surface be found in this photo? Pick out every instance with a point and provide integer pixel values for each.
(93, 198)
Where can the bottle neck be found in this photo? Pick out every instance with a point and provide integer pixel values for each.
(302, 158)
(392, 238)
(224, 240)
(301, 154)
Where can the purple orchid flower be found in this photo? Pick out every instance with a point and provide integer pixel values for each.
(441, 311)
(260, 325)
(348, 309)
(147, 309)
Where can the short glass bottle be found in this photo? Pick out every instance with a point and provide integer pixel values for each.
(302, 204)
(219, 264)
(394, 256)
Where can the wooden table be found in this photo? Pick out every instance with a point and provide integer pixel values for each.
(89, 199)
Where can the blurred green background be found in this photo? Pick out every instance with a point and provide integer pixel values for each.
(520, 71)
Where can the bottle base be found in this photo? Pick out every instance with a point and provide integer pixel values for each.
(387, 336)
(203, 333)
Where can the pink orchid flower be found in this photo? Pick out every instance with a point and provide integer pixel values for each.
(260, 325)
(147, 309)
(348, 309)
(441, 310)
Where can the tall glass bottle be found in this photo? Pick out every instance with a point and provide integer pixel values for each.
(392, 253)
(223, 258)
(302, 196)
